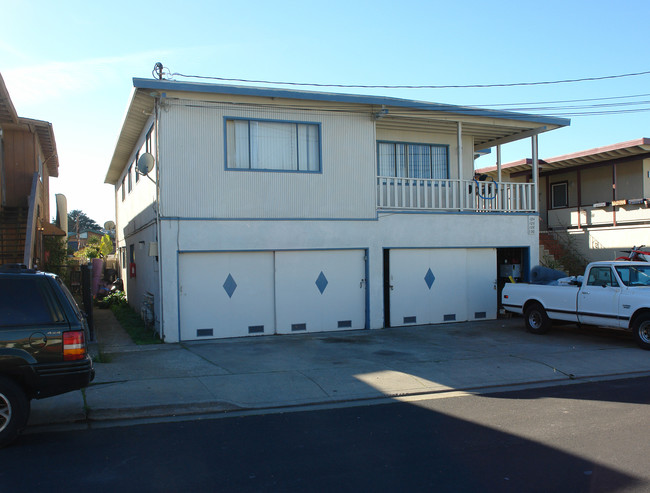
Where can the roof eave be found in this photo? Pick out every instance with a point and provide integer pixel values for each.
(198, 87)
(136, 116)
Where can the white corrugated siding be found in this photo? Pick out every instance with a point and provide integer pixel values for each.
(195, 183)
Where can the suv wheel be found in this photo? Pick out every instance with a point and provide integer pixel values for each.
(14, 410)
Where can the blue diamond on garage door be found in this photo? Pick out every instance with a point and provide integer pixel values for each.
(230, 285)
(321, 282)
(429, 278)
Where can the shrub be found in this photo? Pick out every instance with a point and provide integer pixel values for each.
(116, 298)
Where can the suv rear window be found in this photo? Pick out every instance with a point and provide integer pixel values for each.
(24, 302)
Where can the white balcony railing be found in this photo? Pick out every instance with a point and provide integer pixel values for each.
(454, 195)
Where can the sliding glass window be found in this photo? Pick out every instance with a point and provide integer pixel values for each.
(272, 145)
(413, 160)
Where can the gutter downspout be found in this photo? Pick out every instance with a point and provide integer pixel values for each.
(158, 225)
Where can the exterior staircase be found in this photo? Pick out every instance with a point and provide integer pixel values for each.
(13, 232)
(549, 246)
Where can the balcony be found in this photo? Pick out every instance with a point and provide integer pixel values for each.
(603, 216)
(454, 195)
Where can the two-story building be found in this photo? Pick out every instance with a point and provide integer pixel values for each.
(272, 211)
(28, 158)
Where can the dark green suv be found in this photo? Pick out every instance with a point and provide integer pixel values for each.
(43, 344)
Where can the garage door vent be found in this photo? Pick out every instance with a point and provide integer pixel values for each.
(296, 327)
(204, 332)
(480, 315)
(255, 329)
(345, 323)
(410, 320)
(450, 318)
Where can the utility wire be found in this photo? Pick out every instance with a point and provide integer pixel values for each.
(363, 86)
(567, 100)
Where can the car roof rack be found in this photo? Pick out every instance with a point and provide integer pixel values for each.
(16, 269)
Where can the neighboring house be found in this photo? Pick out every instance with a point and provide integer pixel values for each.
(271, 211)
(78, 241)
(27, 160)
(596, 200)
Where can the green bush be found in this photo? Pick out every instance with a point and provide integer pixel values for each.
(112, 299)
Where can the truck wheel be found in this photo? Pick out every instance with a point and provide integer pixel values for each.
(641, 330)
(537, 320)
(14, 410)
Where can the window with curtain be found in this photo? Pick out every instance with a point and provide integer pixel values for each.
(272, 145)
(413, 160)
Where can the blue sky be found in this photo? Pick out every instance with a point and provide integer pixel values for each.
(71, 62)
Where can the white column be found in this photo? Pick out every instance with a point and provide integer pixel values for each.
(499, 164)
(459, 134)
(535, 174)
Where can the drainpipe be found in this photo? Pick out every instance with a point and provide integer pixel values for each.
(156, 132)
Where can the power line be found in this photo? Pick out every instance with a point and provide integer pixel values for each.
(459, 86)
(568, 100)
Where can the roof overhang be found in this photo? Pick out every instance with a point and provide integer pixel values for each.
(622, 150)
(137, 114)
(45, 134)
(488, 127)
(10, 119)
(52, 230)
(7, 110)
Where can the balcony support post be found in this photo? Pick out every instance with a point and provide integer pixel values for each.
(535, 193)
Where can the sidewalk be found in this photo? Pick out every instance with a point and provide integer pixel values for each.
(327, 368)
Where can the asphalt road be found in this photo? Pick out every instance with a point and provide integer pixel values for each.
(584, 437)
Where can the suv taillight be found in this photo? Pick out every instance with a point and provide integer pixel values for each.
(73, 345)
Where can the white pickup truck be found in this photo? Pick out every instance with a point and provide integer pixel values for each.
(612, 294)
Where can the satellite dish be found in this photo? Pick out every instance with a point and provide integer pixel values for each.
(145, 163)
(109, 225)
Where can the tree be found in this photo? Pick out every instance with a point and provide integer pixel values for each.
(85, 223)
(96, 248)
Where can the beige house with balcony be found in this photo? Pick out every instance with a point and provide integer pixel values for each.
(275, 211)
(598, 198)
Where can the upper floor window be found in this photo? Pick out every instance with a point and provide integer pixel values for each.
(137, 175)
(130, 178)
(272, 145)
(559, 195)
(413, 160)
(147, 144)
(123, 190)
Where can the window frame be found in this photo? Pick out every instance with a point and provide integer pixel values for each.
(566, 195)
(318, 125)
(406, 163)
(594, 281)
(130, 178)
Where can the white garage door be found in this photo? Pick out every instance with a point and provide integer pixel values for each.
(320, 290)
(430, 286)
(226, 294)
(256, 293)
